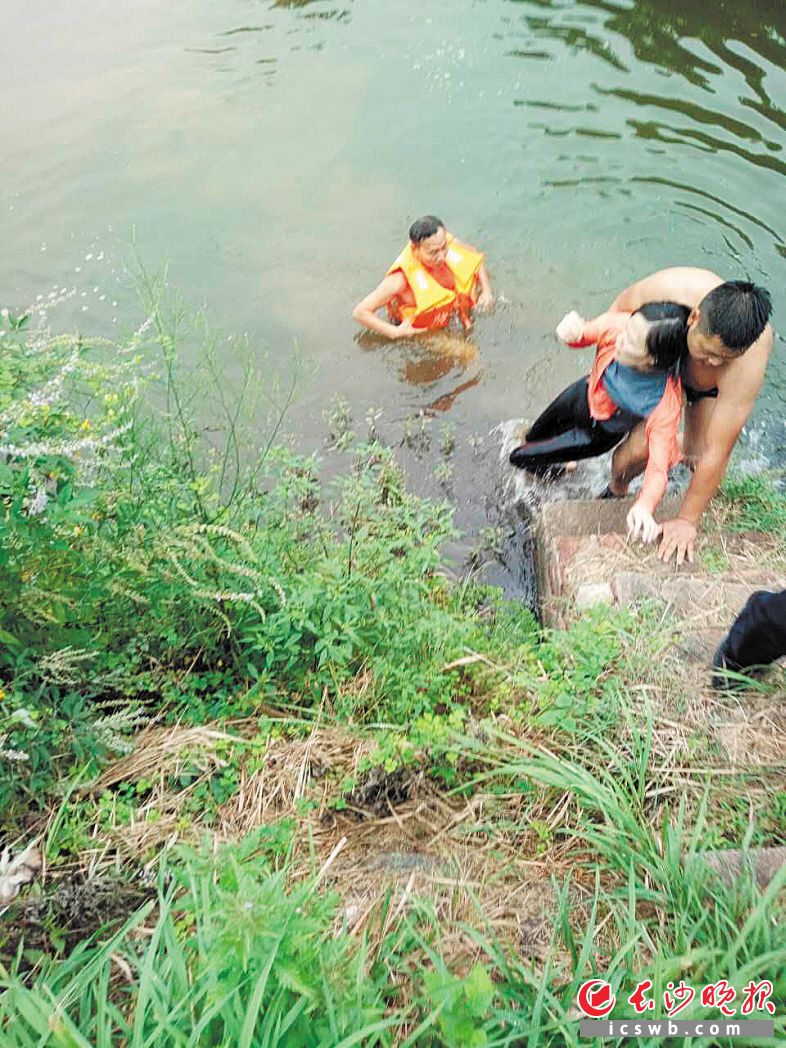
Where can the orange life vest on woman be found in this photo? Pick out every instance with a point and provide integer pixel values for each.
(435, 304)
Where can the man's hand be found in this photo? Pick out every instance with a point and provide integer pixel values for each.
(677, 536)
(642, 524)
(571, 327)
(485, 301)
(406, 329)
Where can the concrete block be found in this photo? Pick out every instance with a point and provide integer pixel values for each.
(590, 594)
(711, 602)
(699, 645)
(593, 517)
(581, 552)
(731, 865)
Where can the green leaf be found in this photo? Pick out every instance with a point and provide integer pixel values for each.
(479, 989)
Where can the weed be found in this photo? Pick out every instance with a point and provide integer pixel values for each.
(713, 559)
(233, 958)
(447, 442)
(756, 503)
(338, 418)
(443, 473)
(417, 432)
(373, 415)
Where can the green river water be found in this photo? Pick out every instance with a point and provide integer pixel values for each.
(277, 151)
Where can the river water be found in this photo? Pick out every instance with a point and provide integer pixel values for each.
(276, 152)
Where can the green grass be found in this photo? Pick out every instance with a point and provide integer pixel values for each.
(231, 956)
(756, 503)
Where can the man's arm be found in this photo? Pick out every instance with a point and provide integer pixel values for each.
(486, 296)
(738, 387)
(365, 312)
(686, 285)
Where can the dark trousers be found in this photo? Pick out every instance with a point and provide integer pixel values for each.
(566, 431)
(758, 635)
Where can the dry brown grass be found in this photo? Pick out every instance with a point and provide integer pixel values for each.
(467, 856)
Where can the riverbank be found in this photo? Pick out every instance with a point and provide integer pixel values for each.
(291, 782)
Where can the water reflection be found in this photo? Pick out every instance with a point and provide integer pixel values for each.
(683, 187)
(575, 37)
(669, 34)
(428, 369)
(661, 33)
(247, 29)
(655, 131)
(334, 15)
(658, 29)
(292, 19)
(427, 361)
(447, 400)
(340, 14)
(686, 108)
(439, 355)
(728, 59)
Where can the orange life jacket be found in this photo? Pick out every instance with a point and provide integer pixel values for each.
(435, 304)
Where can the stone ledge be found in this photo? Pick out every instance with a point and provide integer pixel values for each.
(583, 559)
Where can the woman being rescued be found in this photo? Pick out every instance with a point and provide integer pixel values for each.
(635, 379)
(435, 279)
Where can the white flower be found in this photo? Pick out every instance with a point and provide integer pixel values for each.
(142, 328)
(37, 504)
(68, 449)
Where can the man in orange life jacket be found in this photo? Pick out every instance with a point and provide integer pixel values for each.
(435, 278)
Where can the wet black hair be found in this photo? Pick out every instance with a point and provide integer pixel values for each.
(423, 228)
(667, 338)
(737, 312)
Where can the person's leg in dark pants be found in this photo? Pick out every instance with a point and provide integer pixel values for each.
(757, 638)
(562, 433)
(566, 431)
(568, 410)
(573, 444)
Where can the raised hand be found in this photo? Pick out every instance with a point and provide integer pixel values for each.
(571, 327)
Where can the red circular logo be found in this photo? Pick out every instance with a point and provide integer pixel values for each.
(595, 998)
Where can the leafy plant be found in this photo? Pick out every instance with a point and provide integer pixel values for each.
(462, 1005)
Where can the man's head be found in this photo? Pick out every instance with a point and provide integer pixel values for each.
(727, 321)
(429, 241)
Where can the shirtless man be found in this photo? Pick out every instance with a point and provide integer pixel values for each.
(729, 344)
(435, 278)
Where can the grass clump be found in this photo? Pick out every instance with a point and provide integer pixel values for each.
(756, 503)
(231, 957)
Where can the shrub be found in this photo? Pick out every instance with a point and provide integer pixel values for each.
(145, 566)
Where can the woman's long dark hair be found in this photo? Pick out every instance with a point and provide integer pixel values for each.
(667, 338)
